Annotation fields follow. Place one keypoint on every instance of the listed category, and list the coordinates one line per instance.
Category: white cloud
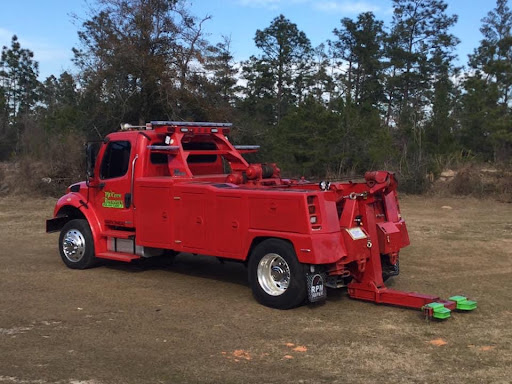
(342, 6)
(269, 4)
(346, 6)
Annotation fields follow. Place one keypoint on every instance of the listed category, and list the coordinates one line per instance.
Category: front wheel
(76, 244)
(276, 277)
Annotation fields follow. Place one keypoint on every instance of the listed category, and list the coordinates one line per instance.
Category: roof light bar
(192, 124)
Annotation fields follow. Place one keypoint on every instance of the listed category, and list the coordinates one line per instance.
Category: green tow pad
(439, 311)
(463, 304)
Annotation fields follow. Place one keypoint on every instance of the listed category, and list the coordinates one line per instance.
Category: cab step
(118, 234)
(118, 256)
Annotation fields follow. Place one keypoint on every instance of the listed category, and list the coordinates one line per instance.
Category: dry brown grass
(48, 165)
(476, 180)
(197, 322)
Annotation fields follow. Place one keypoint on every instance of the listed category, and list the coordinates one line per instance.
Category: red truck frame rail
(170, 187)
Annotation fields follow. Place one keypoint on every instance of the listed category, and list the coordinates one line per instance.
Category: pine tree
(60, 110)
(486, 115)
(419, 36)
(359, 57)
(321, 84)
(360, 48)
(420, 50)
(277, 82)
(19, 84)
(218, 82)
(286, 57)
(441, 124)
(221, 66)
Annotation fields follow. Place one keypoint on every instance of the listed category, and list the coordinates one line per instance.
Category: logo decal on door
(113, 200)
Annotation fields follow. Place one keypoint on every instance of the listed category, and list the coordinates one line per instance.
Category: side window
(116, 159)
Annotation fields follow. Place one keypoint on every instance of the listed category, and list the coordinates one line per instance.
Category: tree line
(371, 96)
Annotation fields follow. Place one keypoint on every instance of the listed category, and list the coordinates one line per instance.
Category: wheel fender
(72, 200)
(320, 249)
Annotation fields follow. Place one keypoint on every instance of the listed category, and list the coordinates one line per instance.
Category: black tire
(295, 292)
(77, 233)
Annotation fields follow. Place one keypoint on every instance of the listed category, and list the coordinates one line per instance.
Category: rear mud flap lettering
(316, 287)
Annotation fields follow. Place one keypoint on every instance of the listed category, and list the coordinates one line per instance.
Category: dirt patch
(189, 322)
(438, 342)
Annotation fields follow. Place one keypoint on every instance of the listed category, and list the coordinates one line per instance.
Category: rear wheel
(277, 278)
(76, 244)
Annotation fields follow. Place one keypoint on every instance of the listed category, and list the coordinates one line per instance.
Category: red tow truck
(170, 187)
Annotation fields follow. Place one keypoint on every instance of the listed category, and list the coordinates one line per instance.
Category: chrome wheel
(273, 274)
(73, 245)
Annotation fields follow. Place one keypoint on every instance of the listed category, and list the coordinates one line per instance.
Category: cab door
(113, 198)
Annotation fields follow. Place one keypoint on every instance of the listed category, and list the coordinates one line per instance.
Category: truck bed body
(224, 220)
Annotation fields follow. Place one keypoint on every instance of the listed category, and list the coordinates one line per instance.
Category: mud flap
(56, 224)
(317, 291)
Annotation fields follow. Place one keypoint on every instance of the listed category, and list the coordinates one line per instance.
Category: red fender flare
(75, 201)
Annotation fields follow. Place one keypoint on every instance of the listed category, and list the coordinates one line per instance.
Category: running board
(118, 256)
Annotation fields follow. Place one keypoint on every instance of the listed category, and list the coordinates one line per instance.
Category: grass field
(196, 321)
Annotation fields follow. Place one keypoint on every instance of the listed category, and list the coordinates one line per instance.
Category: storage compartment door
(190, 221)
(390, 237)
(154, 217)
(228, 236)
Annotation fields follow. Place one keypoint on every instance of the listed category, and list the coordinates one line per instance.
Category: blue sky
(48, 29)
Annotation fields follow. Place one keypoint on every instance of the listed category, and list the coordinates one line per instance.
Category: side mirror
(91, 152)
